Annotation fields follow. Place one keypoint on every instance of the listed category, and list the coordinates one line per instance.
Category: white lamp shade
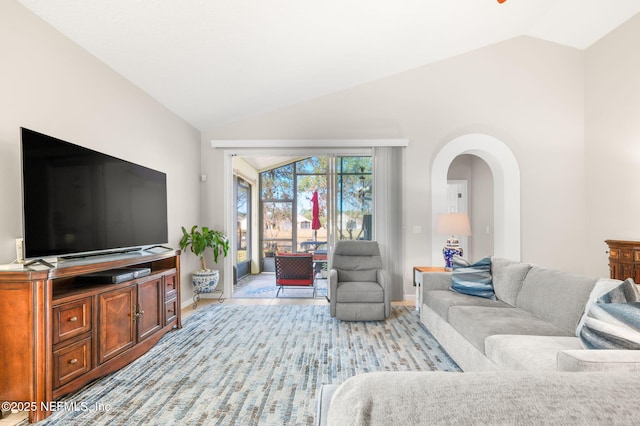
(453, 224)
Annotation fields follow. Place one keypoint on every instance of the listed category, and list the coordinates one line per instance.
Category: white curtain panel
(389, 179)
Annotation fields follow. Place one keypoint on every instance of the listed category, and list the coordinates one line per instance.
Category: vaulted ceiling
(217, 61)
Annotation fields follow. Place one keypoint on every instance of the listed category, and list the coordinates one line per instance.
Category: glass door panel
(354, 198)
(277, 232)
(311, 176)
(243, 227)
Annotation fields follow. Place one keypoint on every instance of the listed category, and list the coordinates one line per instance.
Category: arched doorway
(506, 189)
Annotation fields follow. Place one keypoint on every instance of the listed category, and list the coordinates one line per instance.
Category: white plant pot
(205, 281)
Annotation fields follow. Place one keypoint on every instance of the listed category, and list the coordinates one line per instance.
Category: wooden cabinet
(624, 259)
(116, 329)
(56, 335)
(150, 312)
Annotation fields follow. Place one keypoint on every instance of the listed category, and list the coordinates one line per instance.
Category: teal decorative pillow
(613, 321)
(472, 279)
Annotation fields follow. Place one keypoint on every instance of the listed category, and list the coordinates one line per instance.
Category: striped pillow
(472, 279)
(613, 321)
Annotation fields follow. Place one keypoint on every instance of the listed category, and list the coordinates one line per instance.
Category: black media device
(77, 201)
(113, 276)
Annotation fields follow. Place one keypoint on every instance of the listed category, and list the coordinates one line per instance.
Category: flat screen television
(77, 201)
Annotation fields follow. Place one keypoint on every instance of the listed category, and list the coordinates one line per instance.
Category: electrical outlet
(20, 250)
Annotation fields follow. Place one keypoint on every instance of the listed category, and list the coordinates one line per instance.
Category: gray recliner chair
(359, 287)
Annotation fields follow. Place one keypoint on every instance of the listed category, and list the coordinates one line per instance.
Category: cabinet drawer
(626, 254)
(71, 319)
(170, 289)
(170, 311)
(71, 361)
(636, 255)
(613, 253)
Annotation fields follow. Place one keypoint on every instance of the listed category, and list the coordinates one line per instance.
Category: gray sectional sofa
(530, 326)
(522, 360)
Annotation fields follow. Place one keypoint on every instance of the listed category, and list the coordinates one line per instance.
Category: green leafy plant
(199, 240)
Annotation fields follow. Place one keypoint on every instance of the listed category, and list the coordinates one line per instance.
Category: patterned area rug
(252, 365)
(263, 286)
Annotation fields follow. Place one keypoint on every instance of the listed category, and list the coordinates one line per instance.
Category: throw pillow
(613, 321)
(472, 279)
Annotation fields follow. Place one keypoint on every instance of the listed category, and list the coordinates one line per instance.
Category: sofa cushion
(472, 279)
(357, 275)
(555, 296)
(441, 300)
(476, 323)
(531, 353)
(356, 255)
(359, 292)
(613, 322)
(508, 276)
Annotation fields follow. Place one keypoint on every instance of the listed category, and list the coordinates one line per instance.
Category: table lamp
(454, 224)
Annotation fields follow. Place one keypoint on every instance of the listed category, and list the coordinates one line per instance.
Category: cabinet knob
(139, 314)
(73, 361)
(73, 319)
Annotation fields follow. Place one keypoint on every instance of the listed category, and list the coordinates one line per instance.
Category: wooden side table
(417, 280)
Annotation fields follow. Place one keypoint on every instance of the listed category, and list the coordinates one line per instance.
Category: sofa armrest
(436, 281)
(599, 360)
(322, 403)
(333, 289)
(385, 281)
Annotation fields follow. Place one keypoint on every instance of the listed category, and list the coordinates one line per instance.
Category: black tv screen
(79, 201)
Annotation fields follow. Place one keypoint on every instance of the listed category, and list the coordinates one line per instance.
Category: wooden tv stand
(57, 335)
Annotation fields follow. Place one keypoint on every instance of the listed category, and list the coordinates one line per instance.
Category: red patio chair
(295, 270)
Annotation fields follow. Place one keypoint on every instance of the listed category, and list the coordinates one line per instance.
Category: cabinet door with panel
(116, 329)
(150, 307)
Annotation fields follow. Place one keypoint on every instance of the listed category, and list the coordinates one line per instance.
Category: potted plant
(205, 280)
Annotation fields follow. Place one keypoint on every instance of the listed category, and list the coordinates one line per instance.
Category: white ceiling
(217, 61)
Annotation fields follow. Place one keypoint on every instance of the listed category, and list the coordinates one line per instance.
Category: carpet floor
(252, 365)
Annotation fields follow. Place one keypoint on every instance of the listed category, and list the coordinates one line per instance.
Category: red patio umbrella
(315, 222)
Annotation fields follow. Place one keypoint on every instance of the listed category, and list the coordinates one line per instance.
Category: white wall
(527, 93)
(51, 85)
(612, 115)
(482, 220)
